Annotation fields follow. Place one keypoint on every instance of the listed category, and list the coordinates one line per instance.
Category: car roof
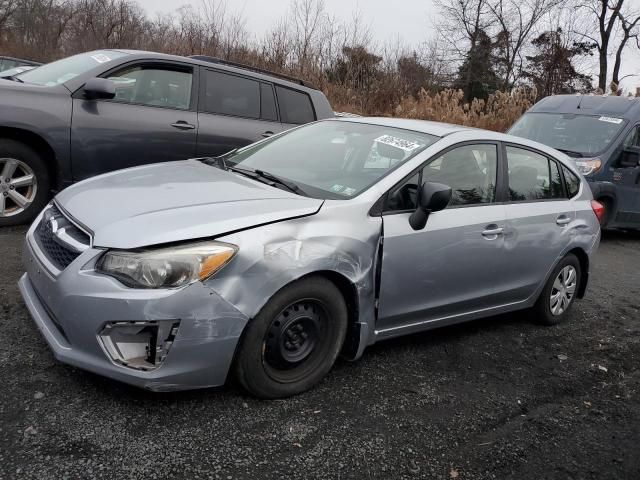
(605, 105)
(265, 75)
(463, 133)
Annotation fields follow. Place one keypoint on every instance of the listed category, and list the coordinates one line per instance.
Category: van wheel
(608, 211)
(24, 183)
(294, 341)
(559, 293)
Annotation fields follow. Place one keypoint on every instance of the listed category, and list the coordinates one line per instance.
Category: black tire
(265, 367)
(542, 310)
(608, 212)
(11, 149)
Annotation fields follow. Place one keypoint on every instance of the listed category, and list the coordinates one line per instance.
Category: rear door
(152, 119)
(456, 264)
(234, 111)
(539, 219)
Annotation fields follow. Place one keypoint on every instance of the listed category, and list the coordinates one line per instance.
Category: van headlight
(166, 267)
(587, 166)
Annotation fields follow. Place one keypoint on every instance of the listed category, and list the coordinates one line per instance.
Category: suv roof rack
(206, 58)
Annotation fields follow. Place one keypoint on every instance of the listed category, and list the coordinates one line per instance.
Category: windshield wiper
(13, 78)
(219, 161)
(261, 175)
(571, 153)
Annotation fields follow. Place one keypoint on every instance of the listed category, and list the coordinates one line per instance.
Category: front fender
(273, 256)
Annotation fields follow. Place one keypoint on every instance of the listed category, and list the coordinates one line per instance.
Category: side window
(573, 182)
(532, 176)
(469, 170)
(632, 139)
(267, 103)
(295, 107)
(156, 87)
(231, 95)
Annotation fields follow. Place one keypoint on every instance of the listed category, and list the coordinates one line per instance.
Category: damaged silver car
(270, 261)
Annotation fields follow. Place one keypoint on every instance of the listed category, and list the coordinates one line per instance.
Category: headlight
(166, 267)
(588, 166)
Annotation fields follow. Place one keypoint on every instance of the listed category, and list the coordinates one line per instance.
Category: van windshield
(577, 135)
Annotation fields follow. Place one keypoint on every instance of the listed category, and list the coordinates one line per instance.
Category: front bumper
(72, 306)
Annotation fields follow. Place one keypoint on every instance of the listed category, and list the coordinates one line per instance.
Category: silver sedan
(270, 261)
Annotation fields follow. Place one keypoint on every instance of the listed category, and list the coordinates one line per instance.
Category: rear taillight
(598, 209)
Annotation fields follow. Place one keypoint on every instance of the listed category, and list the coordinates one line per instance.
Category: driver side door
(453, 266)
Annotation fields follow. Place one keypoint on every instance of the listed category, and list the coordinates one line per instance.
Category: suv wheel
(559, 293)
(24, 183)
(294, 341)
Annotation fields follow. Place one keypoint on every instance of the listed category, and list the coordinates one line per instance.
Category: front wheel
(294, 341)
(24, 183)
(559, 293)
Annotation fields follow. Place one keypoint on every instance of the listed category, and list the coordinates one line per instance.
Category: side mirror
(99, 88)
(630, 157)
(432, 197)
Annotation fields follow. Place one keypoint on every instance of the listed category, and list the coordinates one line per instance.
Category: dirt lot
(500, 398)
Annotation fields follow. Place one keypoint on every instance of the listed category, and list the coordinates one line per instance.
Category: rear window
(572, 181)
(268, 103)
(532, 176)
(295, 106)
(231, 95)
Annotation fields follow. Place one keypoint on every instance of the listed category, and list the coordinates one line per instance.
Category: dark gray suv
(110, 109)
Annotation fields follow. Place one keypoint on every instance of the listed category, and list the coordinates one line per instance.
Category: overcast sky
(409, 20)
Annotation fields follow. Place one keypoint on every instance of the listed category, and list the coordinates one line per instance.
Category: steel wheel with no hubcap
(18, 187)
(293, 339)
(563, 289)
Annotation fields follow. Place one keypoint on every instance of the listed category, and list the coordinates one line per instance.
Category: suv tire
(24, 183)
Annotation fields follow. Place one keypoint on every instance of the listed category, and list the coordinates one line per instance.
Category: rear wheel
(559, 293)
(294, 341)
(24, 183)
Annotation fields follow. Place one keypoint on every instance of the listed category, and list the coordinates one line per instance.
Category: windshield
(333, 159)
(580, 135)
(61, 71)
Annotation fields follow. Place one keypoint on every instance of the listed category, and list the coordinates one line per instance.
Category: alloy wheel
(563, 290)
(18, 187)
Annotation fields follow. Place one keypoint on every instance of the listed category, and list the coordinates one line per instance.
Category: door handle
(563, 220)
(492, 231)
(182, 125)
(267, 134)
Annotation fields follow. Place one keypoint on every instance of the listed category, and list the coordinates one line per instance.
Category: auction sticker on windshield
(406, 145)
(617, 121)
(101, 58)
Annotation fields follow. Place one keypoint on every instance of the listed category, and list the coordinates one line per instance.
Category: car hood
(176, 201)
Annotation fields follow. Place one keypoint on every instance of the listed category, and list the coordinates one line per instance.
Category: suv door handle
(492, 231)
(563, 220)
(182, 125)
(267, 134)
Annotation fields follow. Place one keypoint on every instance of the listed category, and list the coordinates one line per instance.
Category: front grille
(59, 239)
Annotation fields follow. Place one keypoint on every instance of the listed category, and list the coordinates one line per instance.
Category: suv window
(469, 170)
(154, 86)
(572, 181)
(532, 176)
(295, 106)
(231, 95)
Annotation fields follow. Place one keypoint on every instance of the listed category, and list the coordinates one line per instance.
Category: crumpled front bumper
(72, 306)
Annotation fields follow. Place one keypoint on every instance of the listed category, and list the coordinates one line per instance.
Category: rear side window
(295, 107)
(532, 176)
(231, 95)
(268, 103)
(572, 181)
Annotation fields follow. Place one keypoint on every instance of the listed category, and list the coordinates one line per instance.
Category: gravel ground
(500, 398)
